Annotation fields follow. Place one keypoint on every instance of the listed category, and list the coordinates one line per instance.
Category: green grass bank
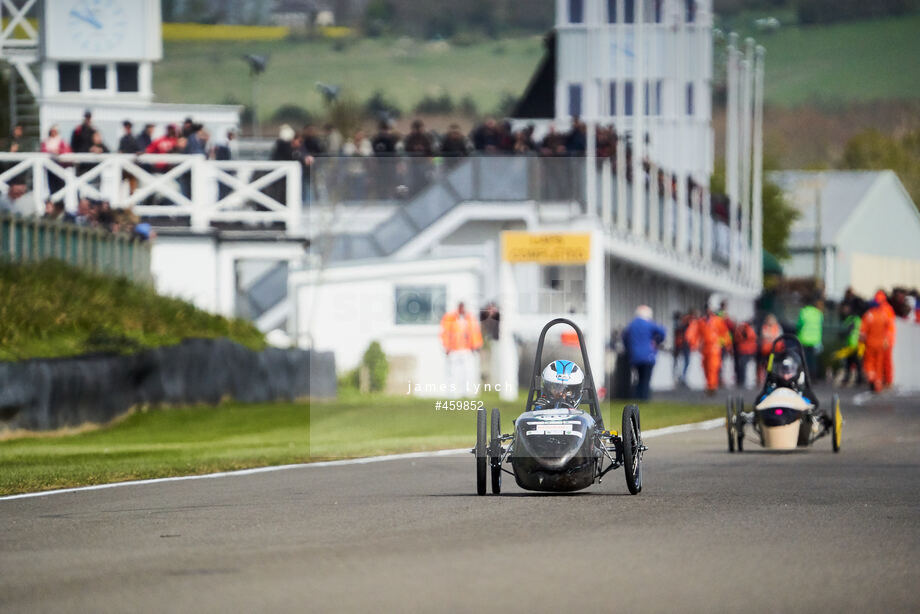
(50, 310)
(169, 442)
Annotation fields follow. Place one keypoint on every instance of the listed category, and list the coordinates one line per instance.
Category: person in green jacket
(810, 330)
(852, 366)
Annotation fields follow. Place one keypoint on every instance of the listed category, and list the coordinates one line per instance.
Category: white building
(644, 66)
(654, 241)
(856, 229)
(97, 57)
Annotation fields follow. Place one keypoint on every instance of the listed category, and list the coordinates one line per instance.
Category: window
(98, 77)
(653, 97)
(575, 100)
(68, 77)
(690, 98)
(691, 10)
(629, 11)
(613, 97)
(611, 11)
(420, 304)
(657, 11)
(628, 96)
(126, 76)
(576, 11)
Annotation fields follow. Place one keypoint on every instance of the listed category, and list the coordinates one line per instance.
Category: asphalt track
(757, 532)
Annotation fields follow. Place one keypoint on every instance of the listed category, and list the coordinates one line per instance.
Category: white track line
(668, 430)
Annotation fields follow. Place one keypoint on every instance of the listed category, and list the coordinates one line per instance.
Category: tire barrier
(48, 394)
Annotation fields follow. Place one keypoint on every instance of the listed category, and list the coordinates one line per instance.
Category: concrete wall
(202, 267)
(346, 308)
(907, 356)
(186, 267)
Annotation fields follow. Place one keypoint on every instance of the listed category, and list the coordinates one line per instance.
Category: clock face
(96, 26)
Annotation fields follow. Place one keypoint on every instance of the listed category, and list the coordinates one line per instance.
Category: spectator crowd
(865, 339)
(189, 138)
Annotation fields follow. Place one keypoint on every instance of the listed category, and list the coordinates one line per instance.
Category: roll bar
(589, 390)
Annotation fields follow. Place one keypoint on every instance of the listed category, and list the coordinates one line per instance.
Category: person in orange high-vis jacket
(710, 334)
(878, 333)
(461, 336)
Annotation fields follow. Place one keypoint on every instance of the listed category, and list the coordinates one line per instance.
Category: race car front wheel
(495, 452)
(480, 451)
(836, 425)
(632, 449)
(730, 423)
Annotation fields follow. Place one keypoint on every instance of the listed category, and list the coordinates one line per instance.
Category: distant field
(830, 65)
(405, 70)
(848, 62)
(160, 443)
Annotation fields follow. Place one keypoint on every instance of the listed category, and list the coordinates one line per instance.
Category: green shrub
(375, 361)
(378, 106)
(292, 114)
(436, 105)
(468, 106)
(506, 105)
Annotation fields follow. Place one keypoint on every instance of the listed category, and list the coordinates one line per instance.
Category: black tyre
(739, 425)
(480, 451)
(495, 449)
(836, 424)
(730, 424)
(632, 450)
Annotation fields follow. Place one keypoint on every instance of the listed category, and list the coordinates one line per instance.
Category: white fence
(163, 185)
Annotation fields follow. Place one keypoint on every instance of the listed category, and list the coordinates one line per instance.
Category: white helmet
(562, 382)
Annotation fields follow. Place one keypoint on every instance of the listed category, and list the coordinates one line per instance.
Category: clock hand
(88, 19)
(91, 13)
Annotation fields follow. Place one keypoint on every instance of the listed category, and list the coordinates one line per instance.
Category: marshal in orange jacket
(460, 332)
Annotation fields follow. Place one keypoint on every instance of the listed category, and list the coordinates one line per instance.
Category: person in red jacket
(164, 145)
(878, 333)
(745, 339)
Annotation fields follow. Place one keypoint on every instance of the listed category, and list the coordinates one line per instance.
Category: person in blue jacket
(642, 338)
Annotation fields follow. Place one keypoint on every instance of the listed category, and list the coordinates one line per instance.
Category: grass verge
(161, 443)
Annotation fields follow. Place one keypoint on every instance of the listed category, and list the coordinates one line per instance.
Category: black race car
(561, 448)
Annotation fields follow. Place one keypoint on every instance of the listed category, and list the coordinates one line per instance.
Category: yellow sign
(546, 248)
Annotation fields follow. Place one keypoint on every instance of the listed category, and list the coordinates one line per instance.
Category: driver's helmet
(562, 382)
(788, 369)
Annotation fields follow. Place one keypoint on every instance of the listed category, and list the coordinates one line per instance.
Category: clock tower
(97, 56)
(100, 49)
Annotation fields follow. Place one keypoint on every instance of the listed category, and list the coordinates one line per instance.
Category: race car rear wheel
(632, 449)
(480, 451)
(739, 425)
(836, 424)
(730, 423)
(495, 452)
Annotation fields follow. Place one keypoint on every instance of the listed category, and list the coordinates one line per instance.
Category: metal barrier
(35, 239)
(190, 187)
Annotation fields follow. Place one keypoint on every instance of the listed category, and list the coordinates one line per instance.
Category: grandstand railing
(34, 239)
(373, 205)
(190, 189)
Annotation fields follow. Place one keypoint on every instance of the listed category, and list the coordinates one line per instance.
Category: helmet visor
(561, 392)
